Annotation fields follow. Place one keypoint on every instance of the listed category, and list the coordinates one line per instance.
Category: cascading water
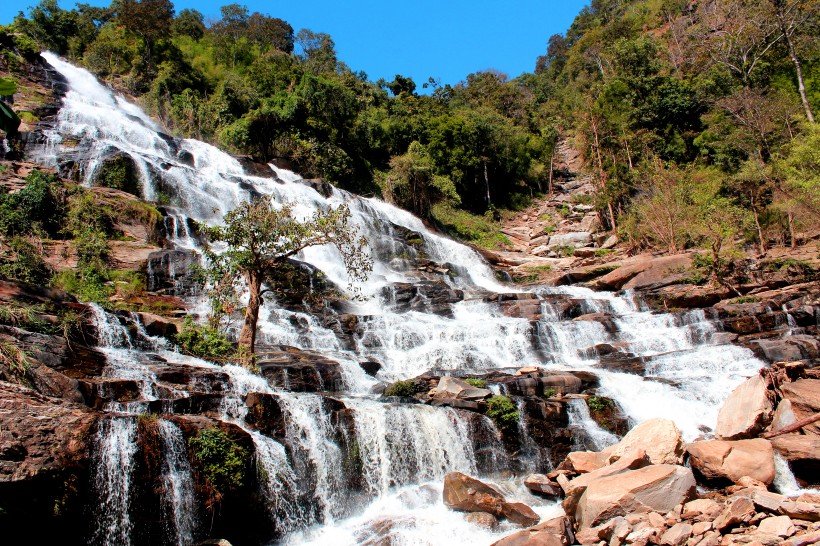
(404, 450)
(590, 436)
(178, 481)
(114, 450)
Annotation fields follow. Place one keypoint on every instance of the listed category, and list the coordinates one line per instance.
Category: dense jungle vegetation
(694, 118)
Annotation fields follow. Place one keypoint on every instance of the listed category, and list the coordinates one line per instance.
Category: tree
(260, 236)
(189, 22)
(413, 184)
(149, 19)
(270, 32)
(231, 29)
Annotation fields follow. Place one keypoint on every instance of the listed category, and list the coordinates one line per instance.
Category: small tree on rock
(260, 236)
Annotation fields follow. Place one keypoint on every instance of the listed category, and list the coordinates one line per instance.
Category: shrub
(477, 383)
(599, 404)
(563, 210)
(406, 387)
(565, 251)
(549, 393)
(502, 411)
(37, 208)
(223, 460)
(25, 262)
(203, 340)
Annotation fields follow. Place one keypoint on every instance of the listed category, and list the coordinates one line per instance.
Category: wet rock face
(427, 296)
(169, 272)
(300, 371)
(118, 171)
(43, 464)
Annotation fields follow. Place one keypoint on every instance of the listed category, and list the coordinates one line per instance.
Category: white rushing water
(178, 480)
(114, 448)
(405, 449)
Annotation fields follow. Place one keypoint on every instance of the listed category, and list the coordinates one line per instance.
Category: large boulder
(804, 398)
(660, 438)
(467, 494)
(657, 488)
(746, 412)
(451, 387)
(802, 451)
(575, 488)
(726, 460)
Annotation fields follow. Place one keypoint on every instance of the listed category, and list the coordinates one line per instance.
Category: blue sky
(446, 39)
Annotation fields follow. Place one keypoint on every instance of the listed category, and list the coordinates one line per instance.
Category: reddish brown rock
(746, 412)
(725, 460)
(659, 438)
(554, 532)
(658, 488)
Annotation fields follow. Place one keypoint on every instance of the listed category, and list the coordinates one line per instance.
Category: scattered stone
(765, 500)
(553, 532)
(737, 512)
(727, 460)
(700, 507)
(451, 387)
(520, 513)
(483, 519)
(542, 485)
(583, 462)
(467, 494)
(777, 525)
(701, 527)
(800, 510)
(746, 412)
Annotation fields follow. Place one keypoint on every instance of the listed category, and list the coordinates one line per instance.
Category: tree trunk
(487, 185)
(759, 228)
(791, 230)
(549, 184)
(801, 86)
(247, 337)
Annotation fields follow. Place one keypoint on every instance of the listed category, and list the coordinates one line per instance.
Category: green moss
(405, 388)
(599, 404)
(119, 173)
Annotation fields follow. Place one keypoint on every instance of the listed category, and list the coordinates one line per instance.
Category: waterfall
(402, 445)
(676, 368)
(178, 494)
(115, 445)
(589, 435)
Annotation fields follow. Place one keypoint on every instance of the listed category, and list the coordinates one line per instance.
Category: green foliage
(744, 299)
(16, 361)
(549, 393)
(477, 383)
(25, 262)
(118, 173)
(38, 208)
(204, 341)
(563, 210)
(404, 388)
(599, 404)
(565, 251)
(482, 231)
(603, 252)
(502, 411)
(223, 461)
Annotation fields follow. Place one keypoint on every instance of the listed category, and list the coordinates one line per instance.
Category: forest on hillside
(696, 119)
